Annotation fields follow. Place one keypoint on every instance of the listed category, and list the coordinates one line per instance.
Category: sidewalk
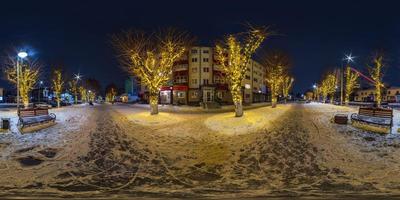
(198, 109)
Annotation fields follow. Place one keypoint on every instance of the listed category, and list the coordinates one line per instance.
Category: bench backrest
(27, 112)
(31, 112)
(376, 112)
(41, 111)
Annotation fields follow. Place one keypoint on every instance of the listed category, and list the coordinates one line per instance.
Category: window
(247, 77)
(194, 69)
(205, 51)
(194, 81)
(194, 59)
(205, 81)
(194, 94)
(181, 94)
(255, 80)
(205, 69)
(205, 59)
(194, 50)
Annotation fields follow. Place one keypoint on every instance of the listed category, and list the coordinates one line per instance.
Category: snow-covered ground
(121, 151)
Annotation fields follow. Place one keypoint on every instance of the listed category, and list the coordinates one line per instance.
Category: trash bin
(5, 123)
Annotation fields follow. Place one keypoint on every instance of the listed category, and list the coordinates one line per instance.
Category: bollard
(5, 123)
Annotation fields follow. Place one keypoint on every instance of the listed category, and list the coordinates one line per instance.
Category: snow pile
(252, 120)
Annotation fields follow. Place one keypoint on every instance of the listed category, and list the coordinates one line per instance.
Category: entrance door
(208, 96)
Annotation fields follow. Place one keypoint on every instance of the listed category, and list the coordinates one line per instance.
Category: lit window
(194, 69)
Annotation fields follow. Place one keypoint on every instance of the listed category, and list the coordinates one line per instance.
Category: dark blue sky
(316, 34)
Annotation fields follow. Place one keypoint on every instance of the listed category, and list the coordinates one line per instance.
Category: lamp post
(40, 86)
(77, 78)
(348, 58)
(21, 56)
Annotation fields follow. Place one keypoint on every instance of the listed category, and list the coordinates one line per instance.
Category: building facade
(197, 78)
(390, 95)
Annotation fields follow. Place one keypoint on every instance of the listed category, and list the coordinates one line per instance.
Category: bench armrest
(52, 115)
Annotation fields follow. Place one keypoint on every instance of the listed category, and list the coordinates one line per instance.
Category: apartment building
(197, 77)
(391, 94)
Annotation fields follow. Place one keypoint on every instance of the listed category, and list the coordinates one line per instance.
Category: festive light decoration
(58, 84)
(377, 75)
(286, 86)
(233, 55)
(73, 86)
(151, 57)
(277, 65)
(29, 72)
(351, 80)
(328, 87)
(110, 96)
(83, 93)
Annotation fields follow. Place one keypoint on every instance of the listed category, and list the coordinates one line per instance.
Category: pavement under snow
(117, 151)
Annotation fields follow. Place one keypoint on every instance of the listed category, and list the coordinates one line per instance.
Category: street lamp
(348, 58)
(21, 55)
(40, 86)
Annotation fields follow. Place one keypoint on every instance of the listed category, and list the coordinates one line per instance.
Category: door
(208, 96)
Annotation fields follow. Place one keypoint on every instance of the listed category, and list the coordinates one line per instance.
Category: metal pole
(341, 85)
(18, 86)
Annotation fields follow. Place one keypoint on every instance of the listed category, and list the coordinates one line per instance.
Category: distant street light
(78, 77)
(21, 56)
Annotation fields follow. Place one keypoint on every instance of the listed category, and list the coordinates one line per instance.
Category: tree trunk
(153, 99)
(331, 100)
(238, 109)
(274, 101)
(58, 102)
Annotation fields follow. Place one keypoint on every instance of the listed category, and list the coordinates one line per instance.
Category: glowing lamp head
(314, 86)
(40, 82)
(349, 58)
(22, 54)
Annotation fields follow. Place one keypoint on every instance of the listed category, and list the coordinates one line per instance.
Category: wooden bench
(34, 117)
(379, 119)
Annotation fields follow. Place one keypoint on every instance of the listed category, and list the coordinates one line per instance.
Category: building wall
(205, 81)
(390, 94)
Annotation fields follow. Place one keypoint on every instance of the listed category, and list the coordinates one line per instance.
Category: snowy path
(295, 151)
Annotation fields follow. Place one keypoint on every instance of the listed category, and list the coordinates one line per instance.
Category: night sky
(316, 34)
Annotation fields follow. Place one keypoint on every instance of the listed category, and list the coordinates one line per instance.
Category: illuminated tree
(276, 64)
(377, 75)
(58, 84)
(233, 55)
(286, 86)
(351, 81)
(328, 87)
(29, 71)
(151, 57)
(111, 93)
(73, 85)
(83, 93)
